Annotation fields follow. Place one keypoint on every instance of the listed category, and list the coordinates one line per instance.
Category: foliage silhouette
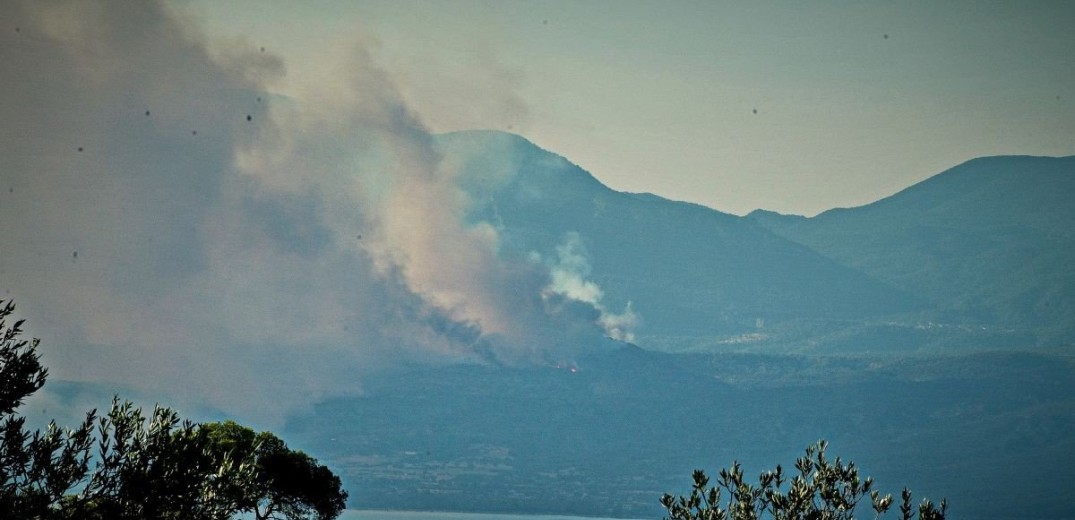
(822, 490)
(288, 484)
(155, 467)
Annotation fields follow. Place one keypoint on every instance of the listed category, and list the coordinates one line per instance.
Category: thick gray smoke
(168, 224)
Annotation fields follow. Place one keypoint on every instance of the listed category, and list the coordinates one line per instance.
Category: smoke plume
(570, 275)
(169, 224)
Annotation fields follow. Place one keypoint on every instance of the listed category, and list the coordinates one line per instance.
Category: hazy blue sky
(854, 101)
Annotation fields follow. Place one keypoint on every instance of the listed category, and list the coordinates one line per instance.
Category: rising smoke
(167, 224)
(570, 277)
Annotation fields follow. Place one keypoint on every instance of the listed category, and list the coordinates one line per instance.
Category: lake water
(427, 515)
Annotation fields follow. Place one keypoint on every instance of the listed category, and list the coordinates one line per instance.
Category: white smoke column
(569, 278)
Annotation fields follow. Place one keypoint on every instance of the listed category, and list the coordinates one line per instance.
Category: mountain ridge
(771, 342)
(705, 272)
(951, 250)
(977, 240)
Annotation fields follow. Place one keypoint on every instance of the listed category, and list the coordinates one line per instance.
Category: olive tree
(821, 490)
(36, 468)
(156, 467)
(289, 484)
(126, 465)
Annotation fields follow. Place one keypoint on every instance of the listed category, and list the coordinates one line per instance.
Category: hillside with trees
(976, 257)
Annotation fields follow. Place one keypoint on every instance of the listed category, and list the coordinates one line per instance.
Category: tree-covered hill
(990, 242)
(687, 269)
(976, 257)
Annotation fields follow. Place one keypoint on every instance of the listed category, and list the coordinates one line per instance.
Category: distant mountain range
(927, 336)
(989, 243)
(979, 256)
